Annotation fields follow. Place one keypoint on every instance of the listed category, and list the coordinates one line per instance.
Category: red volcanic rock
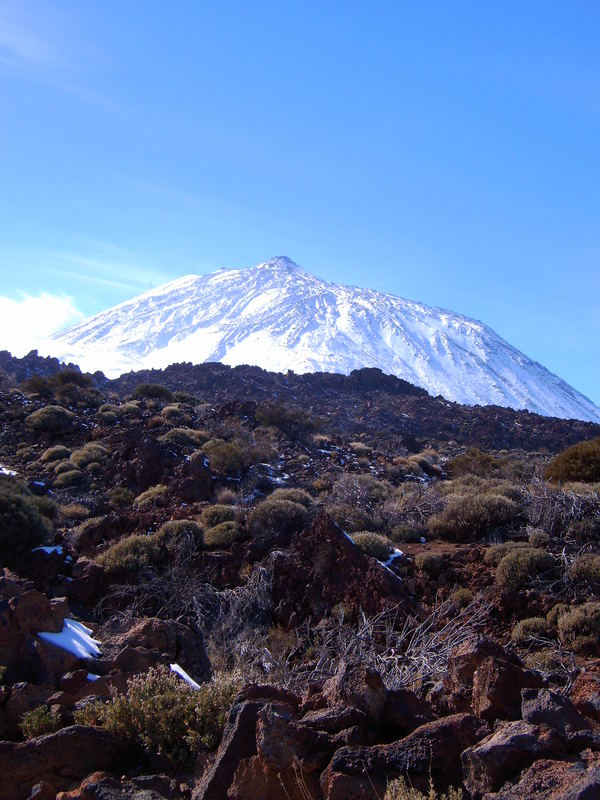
(323, 567)
(357, 686)
(193, 479)
(24, 697)
(555, 780)
(404, 711)
(61, 759)
(434, 749)
(585, 694)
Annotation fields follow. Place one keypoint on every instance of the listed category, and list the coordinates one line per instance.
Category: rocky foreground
(229, 584)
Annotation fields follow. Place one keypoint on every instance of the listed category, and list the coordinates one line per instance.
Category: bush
(520, 566)
(474, 462)
(494, 554)
(214, 515)
(173, 534)
(155, 495)
(373, 544)
(581, 462)
(92, 451)
(555, 612)
(184, 437)
(154, 391)
(295, 423)
(470, 516)
(70, 477)
(223, 535)
(39, 721)
(430, 563)
(579, 628)
(62, 466)
(277, 516)
(105, 417)
(50, 419)
(130, 554)
(295, 495)
(538, 538)
(120, 497)
(406, 534)
(164, 716)
(56, 453)
(22, 525)
(585, 569)
(462, 597)
(226, 497)
(528, 629)
(225, 457)
(400, 790)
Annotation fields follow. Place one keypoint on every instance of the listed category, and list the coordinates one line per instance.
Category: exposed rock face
(58, 758)
(555, 780)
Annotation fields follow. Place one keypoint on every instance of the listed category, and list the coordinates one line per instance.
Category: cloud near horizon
(26, 321)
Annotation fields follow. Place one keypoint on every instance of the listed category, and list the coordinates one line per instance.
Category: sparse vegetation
(581, 462)
(39, 721)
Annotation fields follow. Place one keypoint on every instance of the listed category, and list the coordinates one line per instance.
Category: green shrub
(431, 563)
(585, 569)
(46, 506)
(584, 530)
(373, 544)
(92, 451)
(538, 538)
(555, 612)
(50, 419)
(71, 477)
(164, 716)
(295, 495)
(579, 628)
(528, 629)
(214, 515)
(120, 497)
(520, 566)
(154, 391)
(130, 554)
(39, 721)
(225, 457)
(155, 495)
(184, 437)
(22, 525)
(295, 423)
(223, 535)
(105, 417)
(277, 516)
(462, 597)
(401, 790)
(496, 552)
(62, 466)
(474, 462)
(172, 534)
(56, 453)
(406, 534)
(581, 462)
(471, 516)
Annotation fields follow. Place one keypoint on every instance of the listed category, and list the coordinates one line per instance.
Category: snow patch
(75, 637)
(183, 674)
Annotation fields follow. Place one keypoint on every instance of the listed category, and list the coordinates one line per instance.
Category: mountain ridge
(280, 317)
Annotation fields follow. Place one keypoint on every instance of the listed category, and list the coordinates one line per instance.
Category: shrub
(90, 452)
(226, 497)
(105, 417)
(171, 412)
(56, 453)
(222, 535)
(155, 495)
(400, 790)
(172, 534)
(295, 423)
(154, 391)
(520, 566)
(555, 612)
(164, 716)
(62, 466)
(277, 516)
(214, 515)
(461, 597)
(130, 554)
(581, 462)
(184, 437)
(585, 569)
(408, 534)
(494, 554)
(538, 538)
(120, 497)
(295, 495)
(466, 517)
(373, 544)
(39, 721)
(74, 511)
(474, 462)
(69, 477)
(22, 525)
(50, 419)
(431, 563)
(584, 530)
(528, 629)
(579, 628)
(46, 506)
(225, 457)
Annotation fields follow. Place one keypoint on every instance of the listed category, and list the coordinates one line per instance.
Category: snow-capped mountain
(279, 317)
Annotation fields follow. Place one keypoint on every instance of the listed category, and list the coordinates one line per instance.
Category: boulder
(433, 749)
(585, 694)
(357, 686)
(555, 780)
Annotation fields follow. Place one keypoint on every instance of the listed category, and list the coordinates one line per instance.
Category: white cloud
(24, 322)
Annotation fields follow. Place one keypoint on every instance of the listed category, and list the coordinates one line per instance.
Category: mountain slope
(279, 317)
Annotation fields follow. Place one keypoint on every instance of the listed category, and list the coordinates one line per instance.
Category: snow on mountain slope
(279, 317)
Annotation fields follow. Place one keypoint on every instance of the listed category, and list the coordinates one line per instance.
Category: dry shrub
(70, 477)
(373, 544)
(74, 511)
(470, 516)
(50, 419)
(154, 496)
(430, 563)
(130, 554)
(581, 462)
(214, 515)
(400, 790)
(294, 495)
(223, 535)
(579, 628)
(496, 552)
(184, 437)
(527, 630)
(227, 497)
(56, 453)
(90, 452)
(226, 457)
(120, 497)
(522, 565)
(277, 516)
(153, 391)
(175, 533)
(585, 569)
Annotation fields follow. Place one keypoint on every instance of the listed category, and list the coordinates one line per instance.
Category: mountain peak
(281, 263)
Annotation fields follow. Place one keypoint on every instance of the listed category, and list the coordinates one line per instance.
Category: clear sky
(444, 152)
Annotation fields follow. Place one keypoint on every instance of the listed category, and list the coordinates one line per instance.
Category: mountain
(279, 317)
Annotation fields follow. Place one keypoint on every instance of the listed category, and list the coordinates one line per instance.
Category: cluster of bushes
(295, 423)
(69, 386)
(163, 716)
(184, 437)
(25, 519)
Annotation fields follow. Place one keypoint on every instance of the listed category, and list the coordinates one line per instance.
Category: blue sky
(444, 152)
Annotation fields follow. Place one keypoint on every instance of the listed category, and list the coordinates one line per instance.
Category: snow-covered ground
(75, 637)
(279, 317)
